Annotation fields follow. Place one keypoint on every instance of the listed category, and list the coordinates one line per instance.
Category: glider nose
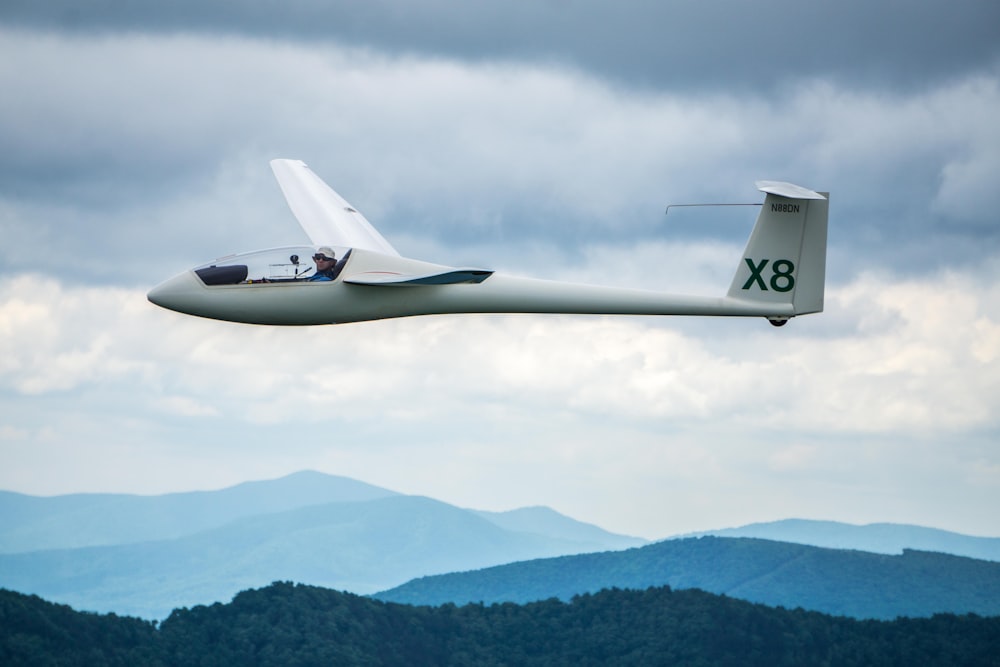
(178, 293)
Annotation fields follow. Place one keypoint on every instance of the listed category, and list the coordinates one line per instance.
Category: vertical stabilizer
(785, 258)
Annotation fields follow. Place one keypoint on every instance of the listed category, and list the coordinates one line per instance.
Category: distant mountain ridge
(886, 538)
(29, 523)
(368, 540)
(546, 521)
(840, 582)
(146, 555)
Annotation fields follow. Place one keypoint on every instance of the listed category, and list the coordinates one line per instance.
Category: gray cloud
(113, 143)
(688, 44)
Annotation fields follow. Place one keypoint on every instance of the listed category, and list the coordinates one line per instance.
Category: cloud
(912, 357)
(158, 161)
(58, 344)
(681, 45)
(923, 360)
(967, 194)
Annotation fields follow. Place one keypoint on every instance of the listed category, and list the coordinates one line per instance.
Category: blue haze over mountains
(883, 538)
(94, 519)
(146, 555)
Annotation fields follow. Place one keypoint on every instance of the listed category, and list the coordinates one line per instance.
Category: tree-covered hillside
(286, 624)
(833, 581)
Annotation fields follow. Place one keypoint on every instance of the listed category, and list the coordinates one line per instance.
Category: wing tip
(286, 163)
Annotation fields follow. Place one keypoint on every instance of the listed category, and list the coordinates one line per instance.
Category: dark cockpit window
(223, 275)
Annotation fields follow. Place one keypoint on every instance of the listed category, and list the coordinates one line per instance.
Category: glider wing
(324, 215)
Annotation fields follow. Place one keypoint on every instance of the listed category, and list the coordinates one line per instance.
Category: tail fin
(785, 258)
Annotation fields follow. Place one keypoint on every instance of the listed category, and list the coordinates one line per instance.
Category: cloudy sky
(540, 137)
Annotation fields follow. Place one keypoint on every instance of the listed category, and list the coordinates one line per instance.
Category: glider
(780, 275)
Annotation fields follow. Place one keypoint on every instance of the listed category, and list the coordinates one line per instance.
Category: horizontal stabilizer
(450, 277)
(789, 190)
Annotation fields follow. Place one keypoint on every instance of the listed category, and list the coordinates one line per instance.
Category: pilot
(326, 261)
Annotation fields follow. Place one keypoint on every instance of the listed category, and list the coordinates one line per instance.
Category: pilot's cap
(324, 253)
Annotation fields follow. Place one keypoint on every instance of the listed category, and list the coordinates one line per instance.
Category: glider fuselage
(300, 302)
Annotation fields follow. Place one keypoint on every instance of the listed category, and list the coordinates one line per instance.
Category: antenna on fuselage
(667, 212)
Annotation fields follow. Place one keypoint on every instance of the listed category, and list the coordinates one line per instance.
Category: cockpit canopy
(274, 265)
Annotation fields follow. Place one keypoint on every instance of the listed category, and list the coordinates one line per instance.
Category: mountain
(285, 624)
(29, 523)
(357, 545)
(886, 538)
(850, 583)
(146, 555)
(546, 521)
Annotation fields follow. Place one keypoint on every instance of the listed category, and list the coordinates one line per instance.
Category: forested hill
(834, 581)
(285, 624)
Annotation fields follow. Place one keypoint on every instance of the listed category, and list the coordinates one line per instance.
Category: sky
(541, 138)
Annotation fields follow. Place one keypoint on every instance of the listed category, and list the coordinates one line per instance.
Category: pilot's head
(324, 258)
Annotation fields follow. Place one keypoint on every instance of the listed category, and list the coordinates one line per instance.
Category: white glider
(780, 275)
